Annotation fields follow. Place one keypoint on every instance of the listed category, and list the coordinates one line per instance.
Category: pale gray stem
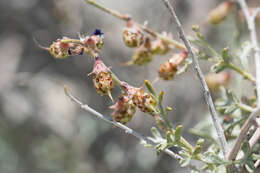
(200, 75)
(250, 19)
(242, 135)
(109, 120)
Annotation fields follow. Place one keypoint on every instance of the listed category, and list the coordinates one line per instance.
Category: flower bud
(215, 80)
(102, 78)
(144, 101)
(124, 109)
(168, 70)
(220, 13)
(143, 54)
(132, 35)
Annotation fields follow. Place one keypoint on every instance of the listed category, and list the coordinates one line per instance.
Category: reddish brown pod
(102, 78)
(168, 70)
(59, 49)
(160, 46)
(132, 34)
(143, 100)
(143, 54)
(124, 109)
(215, 80)
(219, 14)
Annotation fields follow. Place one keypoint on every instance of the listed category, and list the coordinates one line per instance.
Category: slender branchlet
(109, 120)
(250, 19)
(207, 95)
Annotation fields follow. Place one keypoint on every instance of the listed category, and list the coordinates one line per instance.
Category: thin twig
(117, 124)
(207, 95)
(242, 135)
(125, 17)
(250, 19)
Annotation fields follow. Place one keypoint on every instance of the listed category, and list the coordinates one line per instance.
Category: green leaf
(150, 88)
(161, 146)
(178, 132)
(246, 149)
(250, 166)
(160, 97)
(230, 109)
(255, 156)
(184, 153)
(225, 55)
(169, 137)
(184, 67)
(198, 147)
(219, 67)
(156, 133)
(145, 144)
(185, 162)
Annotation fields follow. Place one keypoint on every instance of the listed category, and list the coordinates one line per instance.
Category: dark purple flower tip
(98, 32)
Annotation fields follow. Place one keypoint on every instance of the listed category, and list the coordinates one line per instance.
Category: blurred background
(42, 131)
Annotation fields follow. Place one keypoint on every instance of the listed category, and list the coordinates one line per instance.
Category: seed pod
(168, 70)
(124, 109)
(220, 13)
(76, 49)
(160, 46)
(215, 80)
(102, 78)
(93, 43)
(59, 49)
(144, 101)
(132, 35)
(143, 54)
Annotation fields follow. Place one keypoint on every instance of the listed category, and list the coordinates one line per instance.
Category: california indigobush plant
(234, 118)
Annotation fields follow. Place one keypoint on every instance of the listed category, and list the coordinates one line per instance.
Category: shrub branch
(207, 95)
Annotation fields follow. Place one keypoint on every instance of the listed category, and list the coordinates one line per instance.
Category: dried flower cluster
(133, 36)
(62, 48)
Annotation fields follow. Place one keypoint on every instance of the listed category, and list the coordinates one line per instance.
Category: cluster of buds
(124, 109)
(168, 70)
(215, 80)
(133, 37)
(62, 48)
(220, 13)
(102, 78)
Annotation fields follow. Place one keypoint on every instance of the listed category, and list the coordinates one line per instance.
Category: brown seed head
(102, 78)
(124, 109)
(168, 70)
(132, 35)
(220, 13)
